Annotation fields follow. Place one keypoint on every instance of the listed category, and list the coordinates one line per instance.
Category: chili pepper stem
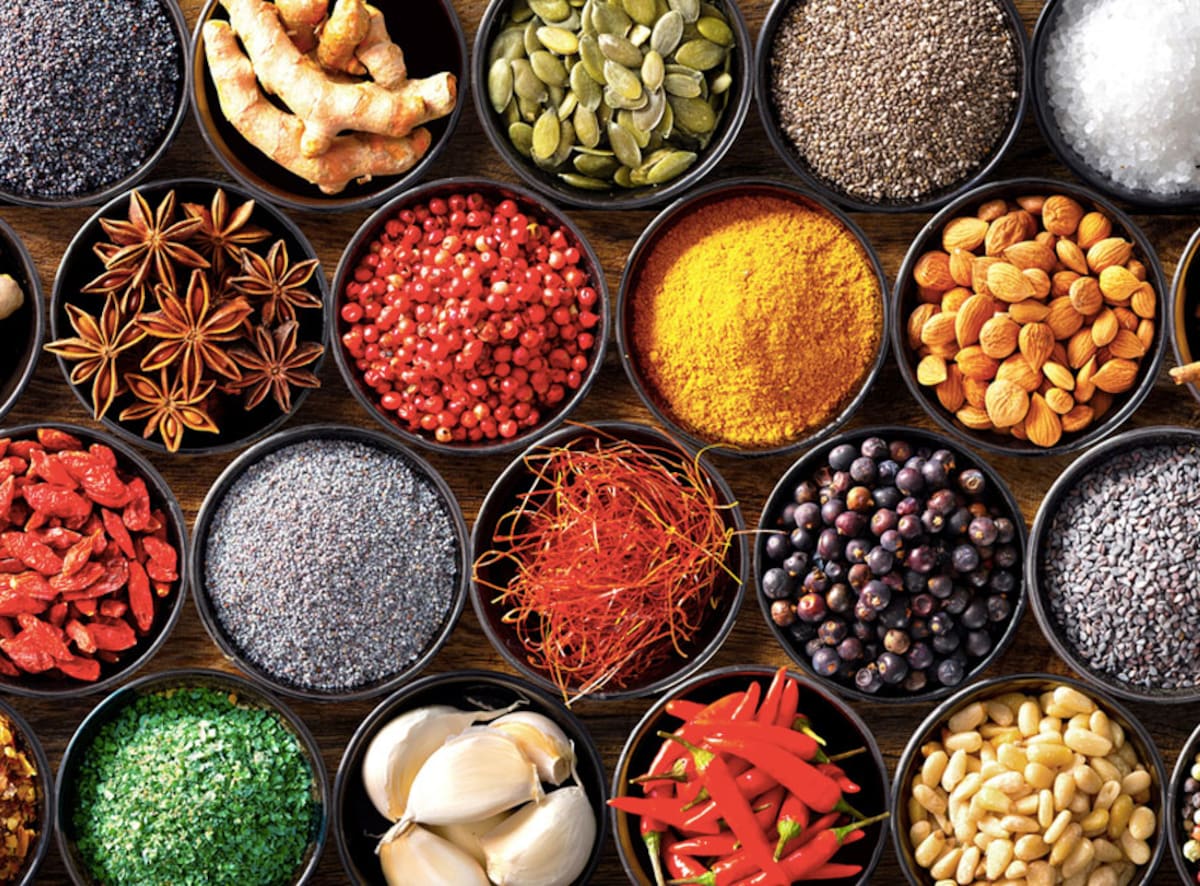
(800, 724)
(843, 806)
(844, 755)
(845, 830)
(653, 841)
(788, 831)
(701, 756)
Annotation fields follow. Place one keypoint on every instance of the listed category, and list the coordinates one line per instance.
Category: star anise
(222, 235)
(275, 366)
(276, 284)
(152, 240)
(171, 407)
(192, 330)
(117, 281)
(94, 349)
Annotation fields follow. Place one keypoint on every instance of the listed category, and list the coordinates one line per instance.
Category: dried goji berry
(56, 537)
(15, 465)
(13, 603)
(111, 608)
(79, 635)
(116, 574)
(115, 636)
(8, 491)
(78, 556)
(117, 532)
(10, 565)
(163, 561)
(4, 442)
(136, 515)
(108, 657)
(140, 599)
(55, 439)
(58, 613)
(84, 607)
(87, 669)
(31, 552)
(22, 449)
(8, 629)
(32, 584)
(103, 454)
(57, 502)
(51, 470)
(81, 581)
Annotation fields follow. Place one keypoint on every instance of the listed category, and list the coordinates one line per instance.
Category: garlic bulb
(472, 776)
(466, 835)
(542, 741)
(417, 856)
(542, 844)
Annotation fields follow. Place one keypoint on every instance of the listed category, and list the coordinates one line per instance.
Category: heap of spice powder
(19, 801)
(194, 786)
(755, 320)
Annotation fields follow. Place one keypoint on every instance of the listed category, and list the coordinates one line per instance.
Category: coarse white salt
(1123, 82)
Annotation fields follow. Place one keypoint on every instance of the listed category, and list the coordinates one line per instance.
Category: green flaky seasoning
(189, 787)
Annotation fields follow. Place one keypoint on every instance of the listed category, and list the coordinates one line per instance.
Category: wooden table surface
(47, 232)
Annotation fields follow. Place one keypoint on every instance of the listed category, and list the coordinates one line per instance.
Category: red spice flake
(19, 799)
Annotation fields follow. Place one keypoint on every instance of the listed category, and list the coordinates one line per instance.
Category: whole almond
(1010, 228)
(1029, 311)
(1143, 301)
(1077, 419)
(1017, 370)
(1063, 320)
(917, 320)
(938, 329)
(1109, 252)
(1006, 403)
(1042, 426)
(1033, 203)
(1030, 254)
(992, 210)
(1061, 215)
(975, 418)
(998, 337)
(1061, 282)
(1118, 284)
(950, 392)
(930, 295)
(979, 272)
(1084, 388)
(964, 233)
(1017, 431)
(1086, 296)
(1127, 345)
(961, 263)
(954, 299)
(1136, 268)
(1006, 282)
(1093, 228)
(932, 271)
(1080, 348)
(1036, 341)
(970, 317)
(1040, 280)
(1059, 400)
(931, 371)
(1126, 318)
(1101, 403)
(1059, 375)
(1104, 328)
(975, 364)
(1071, 255)
(1116, 376)
(1145, 333)
(975, 390)
(1045, 238)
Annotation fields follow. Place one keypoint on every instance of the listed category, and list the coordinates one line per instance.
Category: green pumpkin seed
(639, 34)
(546, 134)
(567, 106)
(721, 83)
(667, 33)
(548, 68)
(623, 178)
(637, 178)
(700, 54)
(509, 44)
(608, 18)
(652, 70)
(529, 111)
(511, 113)
(624, 145)
(641, 11)
(521, 11)
(526, 83)
(585, 87)
(670, 166)
(587, 127)
(620, 50)
(622, 80)
(689, 9)
(667, 124)
(596, 166)
(625, 121)
(560, 41)
(592, 58)
(604, 115)
(615, 101)
(566, 141)
(521, 136)
(647, 118)
(585, 182)
(571, 22)
(585, 18)
(716, 30)
(500, 85)
(707, 10)
(557, 96)
(550, 10)
(531, 41)
(656, 141)
(693, 114)
(682, 85)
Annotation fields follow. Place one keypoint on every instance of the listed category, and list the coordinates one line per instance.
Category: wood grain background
(47, 233)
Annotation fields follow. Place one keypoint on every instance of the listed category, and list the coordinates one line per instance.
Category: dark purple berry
(811, 608)
(783, 613)
(825, 661)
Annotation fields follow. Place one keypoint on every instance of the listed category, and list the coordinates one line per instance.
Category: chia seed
(332, 564)
(894, 101)
(88, 94)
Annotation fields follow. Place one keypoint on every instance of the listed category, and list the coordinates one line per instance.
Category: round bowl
(356, 823)
(1046, 24)
(234, 472)
(431, 36)
(166, 681)
(617, 198)
(502, 497)
(771, 520)
(833, 719)
(644, 247)
(800, 168)
(1185, 305)
(167, 608)
(1039, 546)
(497, 191)
(179, 30)
(931, 730)
(26, 327)
(1175, 796)
(905, 298)
(80, 265)
(26, 740)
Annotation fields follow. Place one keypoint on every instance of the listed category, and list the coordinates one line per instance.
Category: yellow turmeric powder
(756, 319)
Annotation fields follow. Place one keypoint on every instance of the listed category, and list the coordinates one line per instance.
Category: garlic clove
(416, 855)
(542, 844)
(466, 835)
(543, 742)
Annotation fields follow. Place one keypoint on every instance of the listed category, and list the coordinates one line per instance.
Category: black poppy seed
(331, 564)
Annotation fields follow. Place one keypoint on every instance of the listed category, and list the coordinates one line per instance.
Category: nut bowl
(25, 326)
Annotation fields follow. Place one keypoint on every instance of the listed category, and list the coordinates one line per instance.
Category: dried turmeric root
(278, 134)
(301, 18)
(327, 107)
(382, 58)
(345, 28)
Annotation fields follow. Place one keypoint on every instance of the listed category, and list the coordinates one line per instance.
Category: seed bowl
(352, 367)
(55, 683)
(935, 727)
(500, 503)
(1117, 620)
(26, 327)
(831, 718)
(247, 695)
(431, 36)
(1185, 309)
(906, 298)
(357, 825)
(1176, 810)
(25, 740)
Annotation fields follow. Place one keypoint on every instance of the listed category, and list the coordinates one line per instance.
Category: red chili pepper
(665, 810)
(788, 704)
(818, 791)
(770, 706)
(786, 739)
(830, 871)
(708, 846)
(828, 820)
(719, 709)
(681, 866)
(839, 775)
(803, 863)
(652, 831)
(793, 819)
(766, 807)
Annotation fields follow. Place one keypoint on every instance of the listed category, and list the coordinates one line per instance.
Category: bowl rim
(1171, 808)
(728, 189)
(1097, 456)
(286, 228)
(1180, 345)
(292, 437)
(389, 708)
(620, 430)
(751, 671)
(422, 193)
(144, 168)
(193, 677)
(1047, 22)
(802, 467)
(1148, 370)
(35, 293)
(994, 685)
(762, 93)
(47, 814)
(733, 118)
(198, 80)
(157, 486)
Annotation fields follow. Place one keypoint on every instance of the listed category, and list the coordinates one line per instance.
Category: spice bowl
(17, 735)
(534, 354)
(1180, 810)
(258, 738)
(668, 319)
(511, 506)
(25, 327)
(358, 825)
(974, 708)
(836, 722)
(431, 38)
(1097, 338)
(1185, 317)
(283, 285)
(345, 610)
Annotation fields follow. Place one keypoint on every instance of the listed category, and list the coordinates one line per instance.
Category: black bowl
(618, 198)
(184, 678)
(931, 730)
(1188, 871)
(1046, 24)
(1039, 546)
(356, 823)
(904, 298)
(502, 497)
(80, 265)
(803, 469)
(832, 719)
(529, 202)
(27, 327)
(431, 36)
(168, 609)
(28, 742)
(715, 192)
(1185, 303)
(779, 141)
(234, 472)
